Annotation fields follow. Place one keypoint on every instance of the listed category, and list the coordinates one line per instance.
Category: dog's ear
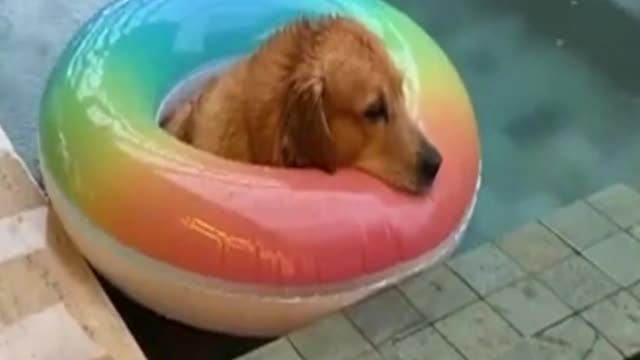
(306, 136)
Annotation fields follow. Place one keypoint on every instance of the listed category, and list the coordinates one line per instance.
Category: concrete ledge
(45, 286)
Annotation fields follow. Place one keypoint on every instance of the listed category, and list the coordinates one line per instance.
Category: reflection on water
(556, 87)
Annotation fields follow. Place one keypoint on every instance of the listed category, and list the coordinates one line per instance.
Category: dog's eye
(377, 111)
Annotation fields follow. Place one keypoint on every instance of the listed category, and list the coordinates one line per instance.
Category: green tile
(534, 247)
(530, 349)
(437, 292)
(577, 282)
(426, 343)
(618, 319)
(602, 350)
(580, 225)
(635, 290)
(618, 256)
(620, 203)
(478, 332)
(368, 355)
(575, 339)
(332, 338)
(383, 315)
(529, 306)
(635, 232)
(280, 349)
(486, 269)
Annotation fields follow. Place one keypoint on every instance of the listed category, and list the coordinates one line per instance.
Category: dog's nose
(429, 162)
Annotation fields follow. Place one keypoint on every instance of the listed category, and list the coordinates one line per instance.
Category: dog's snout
(429, 162)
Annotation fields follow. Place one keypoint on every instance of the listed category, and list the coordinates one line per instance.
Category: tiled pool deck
(564, 287)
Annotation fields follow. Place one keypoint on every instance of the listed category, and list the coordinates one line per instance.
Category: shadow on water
(597, 31)
(162, 339)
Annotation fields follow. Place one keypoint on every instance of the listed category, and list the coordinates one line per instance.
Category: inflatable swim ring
(226, 246)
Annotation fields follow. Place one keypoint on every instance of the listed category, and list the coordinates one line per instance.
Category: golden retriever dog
(320, 93)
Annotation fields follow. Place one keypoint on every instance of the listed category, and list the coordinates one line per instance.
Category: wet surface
(555, 83)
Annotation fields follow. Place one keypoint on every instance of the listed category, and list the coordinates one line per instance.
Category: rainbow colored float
(226, 246)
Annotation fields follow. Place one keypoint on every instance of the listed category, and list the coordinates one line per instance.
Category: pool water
(556, 88)
(555, 84)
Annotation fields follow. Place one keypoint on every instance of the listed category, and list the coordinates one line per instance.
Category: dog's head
(345, 106)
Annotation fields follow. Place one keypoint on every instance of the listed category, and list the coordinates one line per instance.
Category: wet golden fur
(319, 93)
